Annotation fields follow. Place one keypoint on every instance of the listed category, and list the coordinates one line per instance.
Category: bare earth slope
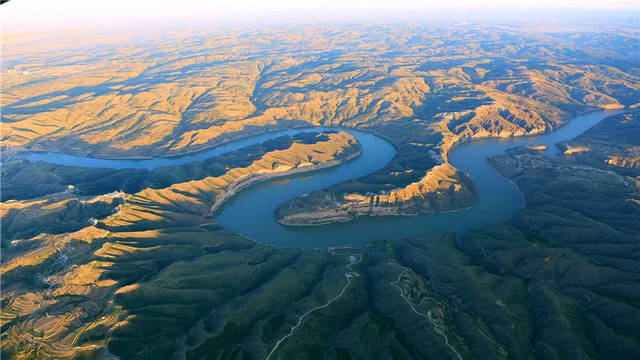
(62, 270)
(615, 141)
(442, 189)
(422, 87)
(103, 263)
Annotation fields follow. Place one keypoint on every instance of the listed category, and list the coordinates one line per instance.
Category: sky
(38, 15)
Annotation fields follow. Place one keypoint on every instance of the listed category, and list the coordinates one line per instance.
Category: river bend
(250, 212)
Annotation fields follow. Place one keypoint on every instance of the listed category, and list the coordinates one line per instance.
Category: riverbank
(434, 193)
(499, 199)
(255, 178)
(442, 189)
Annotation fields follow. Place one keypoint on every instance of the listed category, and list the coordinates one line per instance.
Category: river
(250, 212)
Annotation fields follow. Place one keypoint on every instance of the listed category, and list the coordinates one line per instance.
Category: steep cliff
(443, 188)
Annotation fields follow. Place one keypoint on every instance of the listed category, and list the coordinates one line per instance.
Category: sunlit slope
(26, 180)
(185, 203)
(159, 279)
(576, 247)
(443, 189)
(58, 213)
(558, 281)
(615, 141)
(70, 260)
(424, 88)
(158, 100)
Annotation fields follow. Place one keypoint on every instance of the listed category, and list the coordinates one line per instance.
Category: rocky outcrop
(614, 143)
(443, 188)
(286, 170)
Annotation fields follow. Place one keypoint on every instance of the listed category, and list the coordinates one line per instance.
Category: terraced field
(130, 263)
(424, 88)
(64, 292)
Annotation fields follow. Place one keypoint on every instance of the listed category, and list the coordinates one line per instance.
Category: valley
(322, 191)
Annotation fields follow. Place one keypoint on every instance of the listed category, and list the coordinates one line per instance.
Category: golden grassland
(443, 188)
(135, 104)
(149, 274)
(59, 289)
(422, 88)
(614, 142)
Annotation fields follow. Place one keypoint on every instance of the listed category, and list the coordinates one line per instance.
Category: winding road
(349, 274)
(413, 306)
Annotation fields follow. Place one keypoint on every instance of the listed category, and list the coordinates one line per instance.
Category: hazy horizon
(339, 180)
(38, 16)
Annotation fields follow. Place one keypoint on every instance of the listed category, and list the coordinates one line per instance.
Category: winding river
(251, 211)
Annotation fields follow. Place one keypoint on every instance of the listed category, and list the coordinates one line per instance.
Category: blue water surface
(250, 212)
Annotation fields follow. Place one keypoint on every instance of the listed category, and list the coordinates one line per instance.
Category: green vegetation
(147, 273)
(424, 88)
(443, 188)
(148, 266)
(614, 142)
(25, 180)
